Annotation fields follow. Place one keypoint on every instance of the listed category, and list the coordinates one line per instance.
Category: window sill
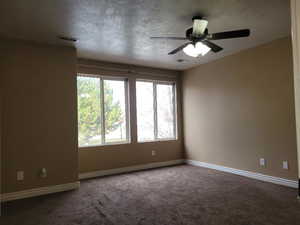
(158, 140)
(103, 145)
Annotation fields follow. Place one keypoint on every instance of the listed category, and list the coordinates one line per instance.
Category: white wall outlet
(285, 165)
(262, 162)
(43, 173)
(20, 175)
(153, 152)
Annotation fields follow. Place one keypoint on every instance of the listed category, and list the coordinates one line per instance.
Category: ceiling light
(202, 48)
(190, 50)
(196, 50)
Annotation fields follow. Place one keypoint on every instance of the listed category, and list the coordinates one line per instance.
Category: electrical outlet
(20, 175)
(153, 152)
(43, 173)
(262, 162)
(285, 165)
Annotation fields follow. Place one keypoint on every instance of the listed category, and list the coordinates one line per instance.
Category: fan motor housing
(189, 35)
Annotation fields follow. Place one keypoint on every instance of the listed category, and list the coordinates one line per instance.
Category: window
(156, 113)
(102, 110)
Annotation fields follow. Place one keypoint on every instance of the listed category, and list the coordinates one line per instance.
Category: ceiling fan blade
(229, 34)
(178, 49)
(170, 38)
(215, 48)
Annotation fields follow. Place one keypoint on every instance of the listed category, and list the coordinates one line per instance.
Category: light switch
(153, 152)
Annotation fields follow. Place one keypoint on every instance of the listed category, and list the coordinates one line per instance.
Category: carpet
(179, 195)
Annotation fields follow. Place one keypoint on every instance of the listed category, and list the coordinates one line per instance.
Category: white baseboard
(258, 176)
(101, 173)
(70, 186)
(39, 191)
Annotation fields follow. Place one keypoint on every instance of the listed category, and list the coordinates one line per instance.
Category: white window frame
(174, 101)
(102, 125)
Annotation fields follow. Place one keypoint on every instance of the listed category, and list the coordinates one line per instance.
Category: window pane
(89, 114)
(115, 111)
(165, 111)
(145, 113)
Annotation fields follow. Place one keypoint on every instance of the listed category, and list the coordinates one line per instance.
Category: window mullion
(155, 110)
(102, 111)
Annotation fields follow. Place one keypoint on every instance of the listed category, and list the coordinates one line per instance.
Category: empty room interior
(156, 112)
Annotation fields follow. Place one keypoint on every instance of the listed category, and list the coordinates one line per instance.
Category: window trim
(174, 101)
(102, 78)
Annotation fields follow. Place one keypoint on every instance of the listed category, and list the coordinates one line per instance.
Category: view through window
(102, 111)
(156, 116)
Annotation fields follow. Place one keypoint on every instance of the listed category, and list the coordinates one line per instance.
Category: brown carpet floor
(180, 195)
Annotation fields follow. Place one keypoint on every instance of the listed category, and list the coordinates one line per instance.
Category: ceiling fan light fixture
(196, 50)
(199, 39)
(202, 49)
(190, 50)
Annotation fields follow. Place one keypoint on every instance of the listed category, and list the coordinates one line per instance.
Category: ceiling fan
(200, 40)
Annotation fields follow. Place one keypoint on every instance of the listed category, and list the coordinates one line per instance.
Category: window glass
(145, 111)
(115, 111)
(99, 123)
(89, 113)
(156, 117)
(165, 111)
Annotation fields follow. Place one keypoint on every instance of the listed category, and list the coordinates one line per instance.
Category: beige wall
(295, 9)
(116, 156)
(1, 114)
(240, 108)
(39, 114)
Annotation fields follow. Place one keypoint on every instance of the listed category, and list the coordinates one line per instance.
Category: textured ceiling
(119, 30)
